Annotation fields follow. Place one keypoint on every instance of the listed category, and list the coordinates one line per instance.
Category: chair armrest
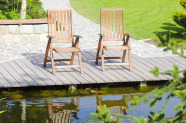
(128, 35)
(50, 36)
(77, 36)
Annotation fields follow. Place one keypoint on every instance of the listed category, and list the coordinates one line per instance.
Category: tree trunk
(23, 9)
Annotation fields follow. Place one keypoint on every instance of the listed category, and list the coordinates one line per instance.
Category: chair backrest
(60, 25)
(112, 24)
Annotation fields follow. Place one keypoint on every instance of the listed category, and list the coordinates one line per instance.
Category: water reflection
(60, 106)
(115, 106)
(64, 113)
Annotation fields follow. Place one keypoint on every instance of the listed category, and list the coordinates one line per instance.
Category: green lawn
(142, 17)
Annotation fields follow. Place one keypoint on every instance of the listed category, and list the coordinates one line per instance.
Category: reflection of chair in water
(115, 106)
(66, 112)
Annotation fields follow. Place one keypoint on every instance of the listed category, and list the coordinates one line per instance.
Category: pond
(62, 105)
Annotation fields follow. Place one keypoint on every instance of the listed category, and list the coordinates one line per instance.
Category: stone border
(21, 31)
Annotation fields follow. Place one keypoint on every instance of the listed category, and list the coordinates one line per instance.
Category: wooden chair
(60, 31)
(112, 29)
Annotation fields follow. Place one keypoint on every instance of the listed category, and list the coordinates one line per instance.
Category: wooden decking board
(87, 69)
(4, 82)
(65, 72)
(134, 69)
(26, 77)
(86, 73)
(174, 61)
(31, 73)
(122, 73)
(9, 77)
(142, 66)
(57, 74)
(171, 62)
(117, 73)
(106, 73)
(156, 64)
(38, 72)
(126, 71)
(77, 74)
(91, 64)
(15, 75)
(160, 65)
(147, 65)
(39, 64)
(179, 59)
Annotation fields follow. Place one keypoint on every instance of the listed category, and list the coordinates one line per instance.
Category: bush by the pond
(10, 9)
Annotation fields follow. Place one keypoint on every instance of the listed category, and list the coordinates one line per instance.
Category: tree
(23, 10)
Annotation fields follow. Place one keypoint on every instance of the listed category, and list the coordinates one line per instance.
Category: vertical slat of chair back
(60, 25)
(112, 24)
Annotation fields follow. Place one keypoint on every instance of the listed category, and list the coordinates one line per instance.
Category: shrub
(2, 16)
(183, 3)
(10, 9)
(180, 17)
(35, 10)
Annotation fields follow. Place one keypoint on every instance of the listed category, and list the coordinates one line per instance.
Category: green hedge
(10, 9)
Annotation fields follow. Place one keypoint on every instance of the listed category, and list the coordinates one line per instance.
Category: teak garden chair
(112, 29)
(60, 31)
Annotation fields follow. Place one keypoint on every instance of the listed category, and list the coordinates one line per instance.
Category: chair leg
(52, 58)
(80, 61)
(124, 54)
(72, 58)
(97, 56)
(46, 54)
(130, 61)
(102, 59)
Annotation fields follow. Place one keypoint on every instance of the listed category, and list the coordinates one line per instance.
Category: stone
(1, 40)
(38, 29)
(7, 39)
(3, 30)
(17, 38)
(45, 28)
(26, 29)
(43, 37)
(34, 38)
(25, 39)
(13, 29)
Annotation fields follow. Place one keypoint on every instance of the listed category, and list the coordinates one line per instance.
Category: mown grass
(142, 17)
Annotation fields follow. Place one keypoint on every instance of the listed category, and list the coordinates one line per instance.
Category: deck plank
(21, 72)
(48, 68)
(69, 74)
(147, 65)
(92, 67)
(116, 73)
(38, 72)
(29, 71)
(4, 82)
(38, 62)
(9, 77)
(86, 76)
(134, 68)
(15, 74)
(140, 68)
(90, 58)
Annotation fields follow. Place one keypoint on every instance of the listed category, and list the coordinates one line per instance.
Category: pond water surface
(64, 105)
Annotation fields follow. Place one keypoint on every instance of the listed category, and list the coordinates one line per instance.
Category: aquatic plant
(104, 115)
(175, 87)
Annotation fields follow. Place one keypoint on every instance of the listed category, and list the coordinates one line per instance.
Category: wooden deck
(29, 71)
